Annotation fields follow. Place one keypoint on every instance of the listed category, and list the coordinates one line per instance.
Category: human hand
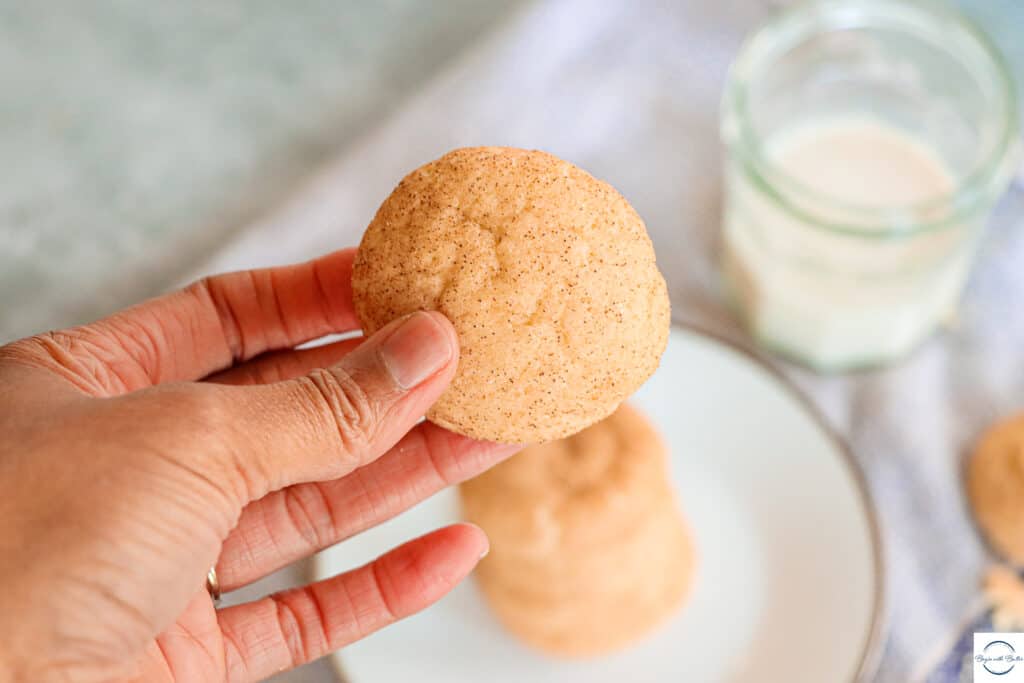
(139, 450)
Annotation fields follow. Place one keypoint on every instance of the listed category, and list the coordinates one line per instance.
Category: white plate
(788, 587)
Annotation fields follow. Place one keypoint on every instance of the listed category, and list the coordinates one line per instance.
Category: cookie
(1003, 590)
(598, 616)
(589, 550)
(995, 487)
(547, 274)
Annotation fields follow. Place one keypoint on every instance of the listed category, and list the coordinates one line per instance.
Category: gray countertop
(137, 137)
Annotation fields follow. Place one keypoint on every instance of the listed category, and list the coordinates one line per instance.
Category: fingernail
(417, 349)
(487, 547)
(487, 541)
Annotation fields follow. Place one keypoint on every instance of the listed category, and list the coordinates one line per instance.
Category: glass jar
(867, 142)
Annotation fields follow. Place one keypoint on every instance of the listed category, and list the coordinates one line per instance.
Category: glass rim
(963, 200)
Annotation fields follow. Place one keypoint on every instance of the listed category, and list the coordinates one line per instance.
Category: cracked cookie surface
(547, 274)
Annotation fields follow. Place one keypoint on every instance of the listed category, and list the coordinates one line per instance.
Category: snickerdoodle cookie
(589, 550)
(547, 274)
(995, 486)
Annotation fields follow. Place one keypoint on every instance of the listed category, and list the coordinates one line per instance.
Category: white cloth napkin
(629, 90)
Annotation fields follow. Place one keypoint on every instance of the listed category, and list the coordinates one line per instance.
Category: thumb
(331, 421)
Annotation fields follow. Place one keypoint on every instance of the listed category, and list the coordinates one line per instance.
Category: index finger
(206, 327)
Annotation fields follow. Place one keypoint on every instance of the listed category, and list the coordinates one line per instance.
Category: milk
(825, 257)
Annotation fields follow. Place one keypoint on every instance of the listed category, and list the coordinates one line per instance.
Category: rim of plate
(872, 650)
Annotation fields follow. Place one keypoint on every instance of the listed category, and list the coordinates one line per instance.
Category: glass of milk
(867, 142)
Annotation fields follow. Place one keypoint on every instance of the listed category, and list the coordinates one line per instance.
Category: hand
(187, 431)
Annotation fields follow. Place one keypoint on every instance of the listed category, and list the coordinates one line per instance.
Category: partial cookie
(1004, 592)
(995, 486)
(547, 274)
(588, 548)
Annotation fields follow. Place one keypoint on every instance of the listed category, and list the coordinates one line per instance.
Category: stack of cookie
(588, 547)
